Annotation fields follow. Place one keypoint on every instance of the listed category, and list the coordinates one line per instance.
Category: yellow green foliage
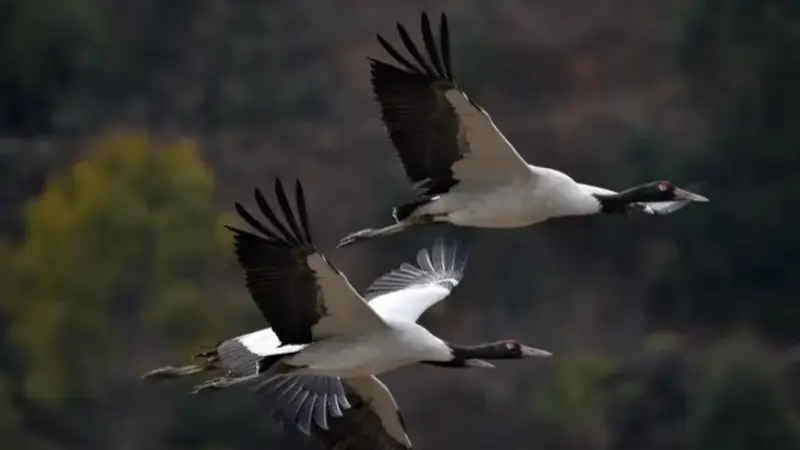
(743, 401)
(121, 242)
(572, 403)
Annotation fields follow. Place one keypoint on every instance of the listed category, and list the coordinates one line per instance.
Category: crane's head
(662, 191)
(655, 191)
(510, 349)
(476, 355)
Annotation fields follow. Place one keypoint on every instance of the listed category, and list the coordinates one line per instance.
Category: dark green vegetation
(128, 128)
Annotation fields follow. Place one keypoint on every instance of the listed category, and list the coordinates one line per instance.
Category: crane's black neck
(619, 203)
(490, 351)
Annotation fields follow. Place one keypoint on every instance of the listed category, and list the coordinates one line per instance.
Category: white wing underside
(373, 391)
(490, 158)
(410, 303)
(408, 291)
(344, 310)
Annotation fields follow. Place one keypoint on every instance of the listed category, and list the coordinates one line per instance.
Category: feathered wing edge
(440, 67)
(301, 399)
(270, 257)
(293, 234)
(442, 264)
(305, 399)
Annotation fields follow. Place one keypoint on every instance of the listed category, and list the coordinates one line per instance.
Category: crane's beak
(478, 363)
(530, 351)
(681, 194)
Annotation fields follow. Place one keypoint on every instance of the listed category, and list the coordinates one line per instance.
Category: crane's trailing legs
(210, 360)
(224, 382)
(370, 233)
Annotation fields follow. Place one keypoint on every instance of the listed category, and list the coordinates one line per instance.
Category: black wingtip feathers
(302, 211)
(287, 230)
(288, 214)
(438, 58)
(444, 37)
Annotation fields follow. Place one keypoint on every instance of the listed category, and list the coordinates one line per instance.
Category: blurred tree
(78, 66)
(743, 403)
(46, 48)
(12, 428)
(647, 396)
(126, 239)
(572, 405)
(742, 63)
(24, 166)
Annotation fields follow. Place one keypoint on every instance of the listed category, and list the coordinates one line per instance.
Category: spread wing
(302, 295)
(441, 137)
(240, 355)
(373, 421)
(408, 291)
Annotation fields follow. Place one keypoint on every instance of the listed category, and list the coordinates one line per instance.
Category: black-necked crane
(467, 172)
(327, 342)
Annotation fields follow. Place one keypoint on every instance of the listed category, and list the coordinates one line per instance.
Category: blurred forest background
(129, 128)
